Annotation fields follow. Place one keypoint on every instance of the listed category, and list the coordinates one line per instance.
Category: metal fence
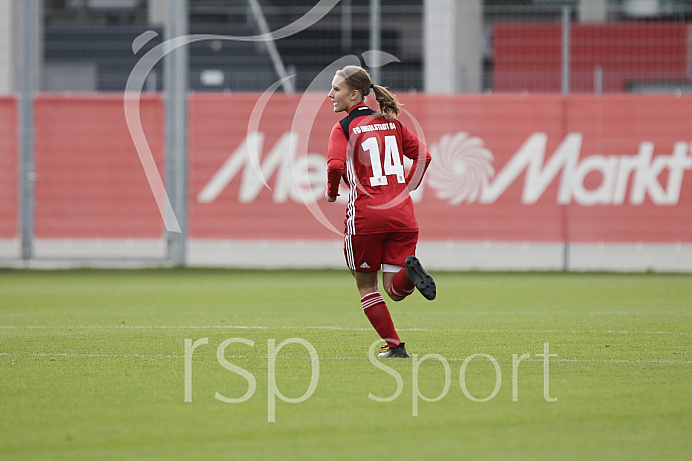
(528, 45)
(625, 49)
(86, 53)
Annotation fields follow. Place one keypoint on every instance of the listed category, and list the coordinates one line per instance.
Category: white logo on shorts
(364, 266)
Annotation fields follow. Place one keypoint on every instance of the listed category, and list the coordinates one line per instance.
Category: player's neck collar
(360, 104)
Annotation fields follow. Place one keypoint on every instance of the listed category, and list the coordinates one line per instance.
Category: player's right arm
(336, 161)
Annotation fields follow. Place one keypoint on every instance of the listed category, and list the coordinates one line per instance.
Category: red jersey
(368, 151)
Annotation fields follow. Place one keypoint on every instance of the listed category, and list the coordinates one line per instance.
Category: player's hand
(329, 199)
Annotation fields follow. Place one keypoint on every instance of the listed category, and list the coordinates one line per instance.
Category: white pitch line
(579, 313)
(118, 356)
(451, 359)
(334, 328)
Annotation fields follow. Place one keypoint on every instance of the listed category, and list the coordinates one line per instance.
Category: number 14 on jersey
(390, 162)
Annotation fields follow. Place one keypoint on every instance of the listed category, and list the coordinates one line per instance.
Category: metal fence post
(175, 99)
(565, 92)
(375, 40)
(27, 82)
(565, 49)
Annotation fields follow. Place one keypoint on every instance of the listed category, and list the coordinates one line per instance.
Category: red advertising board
(8, 167)
(505, 168)
(516, 168)
(89, 180)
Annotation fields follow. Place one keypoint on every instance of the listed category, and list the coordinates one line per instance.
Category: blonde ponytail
(389, 104)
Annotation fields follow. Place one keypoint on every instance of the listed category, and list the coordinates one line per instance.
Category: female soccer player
(366, 148)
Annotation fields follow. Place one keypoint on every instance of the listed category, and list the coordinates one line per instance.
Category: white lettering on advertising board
(462, 171)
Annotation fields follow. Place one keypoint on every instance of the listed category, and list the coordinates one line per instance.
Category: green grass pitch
(94, 365)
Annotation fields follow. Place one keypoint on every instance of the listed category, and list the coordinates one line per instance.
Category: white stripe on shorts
(348, 245)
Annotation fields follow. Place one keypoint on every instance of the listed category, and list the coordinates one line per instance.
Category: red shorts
(367, 253)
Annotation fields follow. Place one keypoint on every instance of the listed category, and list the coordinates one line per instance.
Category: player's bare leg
(388, 285)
